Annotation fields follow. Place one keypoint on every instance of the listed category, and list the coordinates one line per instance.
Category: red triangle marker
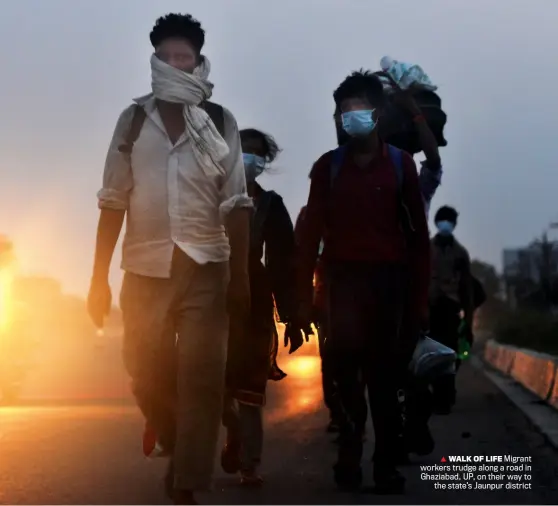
(443, 459)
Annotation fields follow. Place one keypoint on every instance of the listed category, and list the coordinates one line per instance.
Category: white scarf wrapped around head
(173, 85)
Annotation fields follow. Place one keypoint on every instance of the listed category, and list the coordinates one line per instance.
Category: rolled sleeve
(117, 175)
(234, 193)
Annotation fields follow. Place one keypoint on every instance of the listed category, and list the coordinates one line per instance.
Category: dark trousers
(365, 304)
(329, 387)
(444, 326)
(417, 410)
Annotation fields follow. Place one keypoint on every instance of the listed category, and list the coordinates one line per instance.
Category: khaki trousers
(175, 350)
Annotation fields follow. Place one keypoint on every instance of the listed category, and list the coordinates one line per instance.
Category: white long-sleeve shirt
(167, 197)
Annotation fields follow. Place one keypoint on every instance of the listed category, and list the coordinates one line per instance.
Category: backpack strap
(136, 125)
(337, 158)
(217, 115)
(215, 112)
(396, 156)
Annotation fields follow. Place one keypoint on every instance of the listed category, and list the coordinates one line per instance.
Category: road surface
(81, 444)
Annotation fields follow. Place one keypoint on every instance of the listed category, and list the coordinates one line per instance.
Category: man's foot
(401, 457)
(230, 457)
(347, 478)
(152, 448)
(421, 442)
(388, 482)
(183, 497)
(347, 472)
(250, 479)
(400, 453)
(276, 374)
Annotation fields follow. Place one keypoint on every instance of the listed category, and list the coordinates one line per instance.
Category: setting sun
(6, 294)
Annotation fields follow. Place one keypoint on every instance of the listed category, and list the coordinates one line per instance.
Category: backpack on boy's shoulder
(215, 112)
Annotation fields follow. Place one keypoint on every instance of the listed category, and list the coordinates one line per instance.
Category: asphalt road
(77, 441)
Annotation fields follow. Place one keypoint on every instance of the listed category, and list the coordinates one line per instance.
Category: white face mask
(254, 165)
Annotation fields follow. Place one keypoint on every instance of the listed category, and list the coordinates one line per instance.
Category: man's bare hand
(294, 336)
(99, 301)
(304, 320)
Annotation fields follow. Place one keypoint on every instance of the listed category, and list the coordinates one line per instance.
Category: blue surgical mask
(358, 123)
(254, 165)
(445, 228)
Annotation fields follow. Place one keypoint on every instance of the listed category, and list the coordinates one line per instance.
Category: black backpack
(215, 112)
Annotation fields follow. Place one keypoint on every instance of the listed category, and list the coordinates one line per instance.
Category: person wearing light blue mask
(254, 165)
(417, 436)
(430, 174)
(253, 344)
(445, 228)
(451, 294)
(370, 273)
(359, 123)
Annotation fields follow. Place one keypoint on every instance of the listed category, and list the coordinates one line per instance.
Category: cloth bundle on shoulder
(404, 75)
(396, 128)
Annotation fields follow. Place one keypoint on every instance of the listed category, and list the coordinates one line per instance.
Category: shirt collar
(382, 150)
(147, 102)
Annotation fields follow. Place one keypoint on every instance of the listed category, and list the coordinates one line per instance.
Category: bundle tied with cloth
(396, 127)
(176, 86)
(432, 359)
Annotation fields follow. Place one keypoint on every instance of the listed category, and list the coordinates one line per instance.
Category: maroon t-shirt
(358, 217)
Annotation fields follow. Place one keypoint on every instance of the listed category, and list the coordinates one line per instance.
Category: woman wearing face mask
(251, 343)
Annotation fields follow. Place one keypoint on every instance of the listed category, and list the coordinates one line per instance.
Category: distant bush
(531, 329)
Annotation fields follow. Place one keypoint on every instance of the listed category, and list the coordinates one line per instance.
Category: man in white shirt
(176, 172)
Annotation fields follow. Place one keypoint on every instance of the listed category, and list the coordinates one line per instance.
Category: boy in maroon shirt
(376, 254)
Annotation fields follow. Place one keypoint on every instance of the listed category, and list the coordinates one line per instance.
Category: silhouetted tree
(547, 269)
(489, 278)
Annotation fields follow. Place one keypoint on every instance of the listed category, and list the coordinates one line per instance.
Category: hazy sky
(70, 67)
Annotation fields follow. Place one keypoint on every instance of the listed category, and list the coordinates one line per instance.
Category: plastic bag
(432, 359)
(405, 75)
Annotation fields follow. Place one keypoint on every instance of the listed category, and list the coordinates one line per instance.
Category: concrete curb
(541, 415)
(537, 372)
